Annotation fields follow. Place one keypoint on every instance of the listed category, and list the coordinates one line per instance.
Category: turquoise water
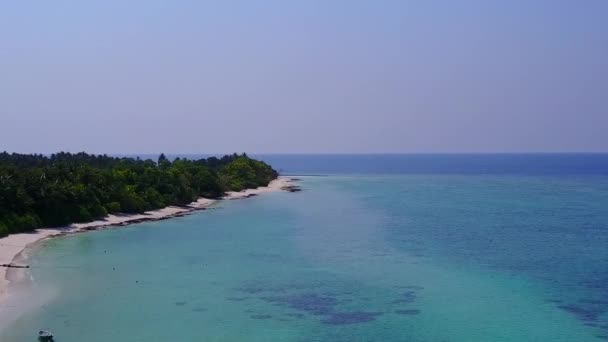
(367, 258)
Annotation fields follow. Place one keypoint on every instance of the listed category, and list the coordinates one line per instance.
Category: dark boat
(45, 336)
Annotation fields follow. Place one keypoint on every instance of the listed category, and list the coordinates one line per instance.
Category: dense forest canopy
(50, 191)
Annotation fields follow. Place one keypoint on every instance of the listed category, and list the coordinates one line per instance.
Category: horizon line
(310, 153)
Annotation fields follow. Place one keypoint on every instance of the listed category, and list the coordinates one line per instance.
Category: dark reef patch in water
(409, 295)
(596, 284)
(410, 287)
(401, 301)
(180, 303)
(307, 301)
(586, 314)
(199, 309)
(408, 312)
(311, 303)
(356, 317)
(261, 316)
(256, 288)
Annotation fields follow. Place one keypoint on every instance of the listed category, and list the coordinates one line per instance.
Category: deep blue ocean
(471, 164)
(431, 248)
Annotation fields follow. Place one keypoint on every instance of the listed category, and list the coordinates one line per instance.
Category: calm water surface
(403, 257)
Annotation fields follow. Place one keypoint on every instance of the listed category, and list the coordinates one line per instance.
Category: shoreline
(12, 246)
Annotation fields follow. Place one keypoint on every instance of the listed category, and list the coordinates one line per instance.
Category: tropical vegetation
(63, 188)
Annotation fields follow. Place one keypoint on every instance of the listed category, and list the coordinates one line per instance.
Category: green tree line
(52, 191)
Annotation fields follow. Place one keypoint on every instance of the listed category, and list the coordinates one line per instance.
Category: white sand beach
(12, 245)
(275, 185)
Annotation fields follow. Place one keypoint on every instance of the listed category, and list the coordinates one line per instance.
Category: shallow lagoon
(367, 258)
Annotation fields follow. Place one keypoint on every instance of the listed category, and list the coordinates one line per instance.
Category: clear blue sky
(304, 76)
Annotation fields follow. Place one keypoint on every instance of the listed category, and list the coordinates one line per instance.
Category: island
(54, 191)
(46, 196)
